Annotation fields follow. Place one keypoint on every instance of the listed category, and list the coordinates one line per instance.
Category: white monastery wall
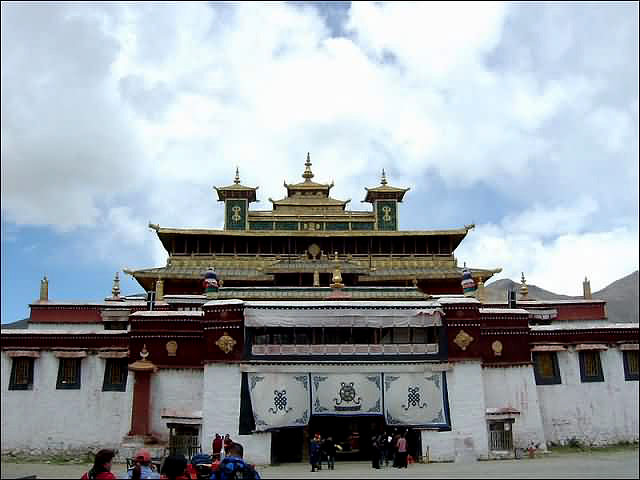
(515, 387)
(468, 436)
(221, 412)
(592, 412)
(178, 389)
(49, 419)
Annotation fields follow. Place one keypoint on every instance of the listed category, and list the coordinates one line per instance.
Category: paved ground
(595, 464)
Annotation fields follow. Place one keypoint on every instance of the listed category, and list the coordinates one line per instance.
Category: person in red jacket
(101, 469)
(217, 446)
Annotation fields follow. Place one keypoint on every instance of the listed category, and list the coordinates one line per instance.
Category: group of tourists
(176, 467)
(389, 448)
(322, 449)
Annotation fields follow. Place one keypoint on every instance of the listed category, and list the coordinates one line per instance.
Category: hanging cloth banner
(346, 394)
(279, 399)
(427, 314)
(417, 399)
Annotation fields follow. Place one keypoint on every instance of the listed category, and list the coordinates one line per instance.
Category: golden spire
(237, 179)
(383, 180)
(308, 174)
(524, 290)
(115, 290)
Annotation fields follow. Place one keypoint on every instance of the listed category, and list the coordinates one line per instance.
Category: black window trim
(69, 386)
(107, 386)
(540, 380)
(12, 379)
(628, 376)
(583, 376)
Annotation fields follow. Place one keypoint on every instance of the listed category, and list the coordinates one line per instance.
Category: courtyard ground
(596, 463)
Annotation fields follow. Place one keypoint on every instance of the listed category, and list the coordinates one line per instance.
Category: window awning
(22, 353)
(590, 346)
(68, 354)
(113, 354)
(549, 348)
(628, 346)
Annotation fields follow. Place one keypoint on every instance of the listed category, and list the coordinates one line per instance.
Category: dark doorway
(286, 445)
(353, 434)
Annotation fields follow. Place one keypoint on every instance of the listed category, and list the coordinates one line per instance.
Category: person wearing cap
(101, 469)
(143, 460)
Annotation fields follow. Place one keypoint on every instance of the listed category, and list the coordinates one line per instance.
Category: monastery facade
(316, 319)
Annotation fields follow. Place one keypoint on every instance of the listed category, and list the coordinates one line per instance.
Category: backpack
(241, 471)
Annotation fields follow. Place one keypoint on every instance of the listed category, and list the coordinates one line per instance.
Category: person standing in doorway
(375, 452)
(402, 451)
(315, 450)
(329, 449)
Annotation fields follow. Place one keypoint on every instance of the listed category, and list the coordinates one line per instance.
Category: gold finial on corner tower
(237, 179)
(383, 180)
(524, 290)
(308, 174)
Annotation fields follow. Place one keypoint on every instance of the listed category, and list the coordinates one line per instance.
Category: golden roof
(372, 193)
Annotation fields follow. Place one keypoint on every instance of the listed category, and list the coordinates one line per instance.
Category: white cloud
(153, 105)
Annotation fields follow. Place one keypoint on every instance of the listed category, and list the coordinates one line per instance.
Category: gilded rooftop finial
(115, 291)
(44, 289)
(336, 279)
(524, 290)
(308, 174)
(237, 179)
(383, 180)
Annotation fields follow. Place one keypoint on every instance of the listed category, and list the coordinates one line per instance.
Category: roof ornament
(383, 180)
(44, 289)
(115, 290)
(336, 280)
(237, 179)
(308, 174)
(524, 290)
(468, 285)
(210, 282)
(586, 289)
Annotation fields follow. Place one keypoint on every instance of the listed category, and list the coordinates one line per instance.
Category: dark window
(115, 375)
(630, 361)
(116, 325)
(21, 374)
(362, 335)
(590, 367)
(69, 374)
(281, 336)
(302, 336)
(545, 368)
(401, 335)
(260, 336)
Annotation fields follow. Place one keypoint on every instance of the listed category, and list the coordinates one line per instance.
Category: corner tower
(385, 199)
(236, 198)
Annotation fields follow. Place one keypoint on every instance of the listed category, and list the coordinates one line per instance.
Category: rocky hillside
(621, 296)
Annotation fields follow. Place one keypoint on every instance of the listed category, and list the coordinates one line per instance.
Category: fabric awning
(590, 346)
(549, 348)
(22, 353)
(331, 317)
(628, 346)
(67, 354)
(113, 354)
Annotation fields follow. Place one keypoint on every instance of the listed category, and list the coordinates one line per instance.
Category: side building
(317, 319)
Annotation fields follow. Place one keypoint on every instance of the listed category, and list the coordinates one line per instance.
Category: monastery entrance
(352, 433)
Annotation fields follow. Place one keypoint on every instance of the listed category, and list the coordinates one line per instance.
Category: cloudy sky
(520, 118)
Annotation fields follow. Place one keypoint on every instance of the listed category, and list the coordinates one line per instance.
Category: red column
(141, 394)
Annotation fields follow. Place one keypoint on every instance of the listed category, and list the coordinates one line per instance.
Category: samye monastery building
(317, 319)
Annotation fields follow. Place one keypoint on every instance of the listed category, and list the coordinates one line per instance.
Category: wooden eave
(371, 192)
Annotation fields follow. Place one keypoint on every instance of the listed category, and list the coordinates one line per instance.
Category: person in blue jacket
(233, 467)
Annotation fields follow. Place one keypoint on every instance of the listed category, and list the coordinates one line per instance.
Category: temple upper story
(298, 242)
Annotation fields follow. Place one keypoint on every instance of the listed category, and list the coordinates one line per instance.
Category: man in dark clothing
(375, 452)
(329, 449)
(315, 451)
